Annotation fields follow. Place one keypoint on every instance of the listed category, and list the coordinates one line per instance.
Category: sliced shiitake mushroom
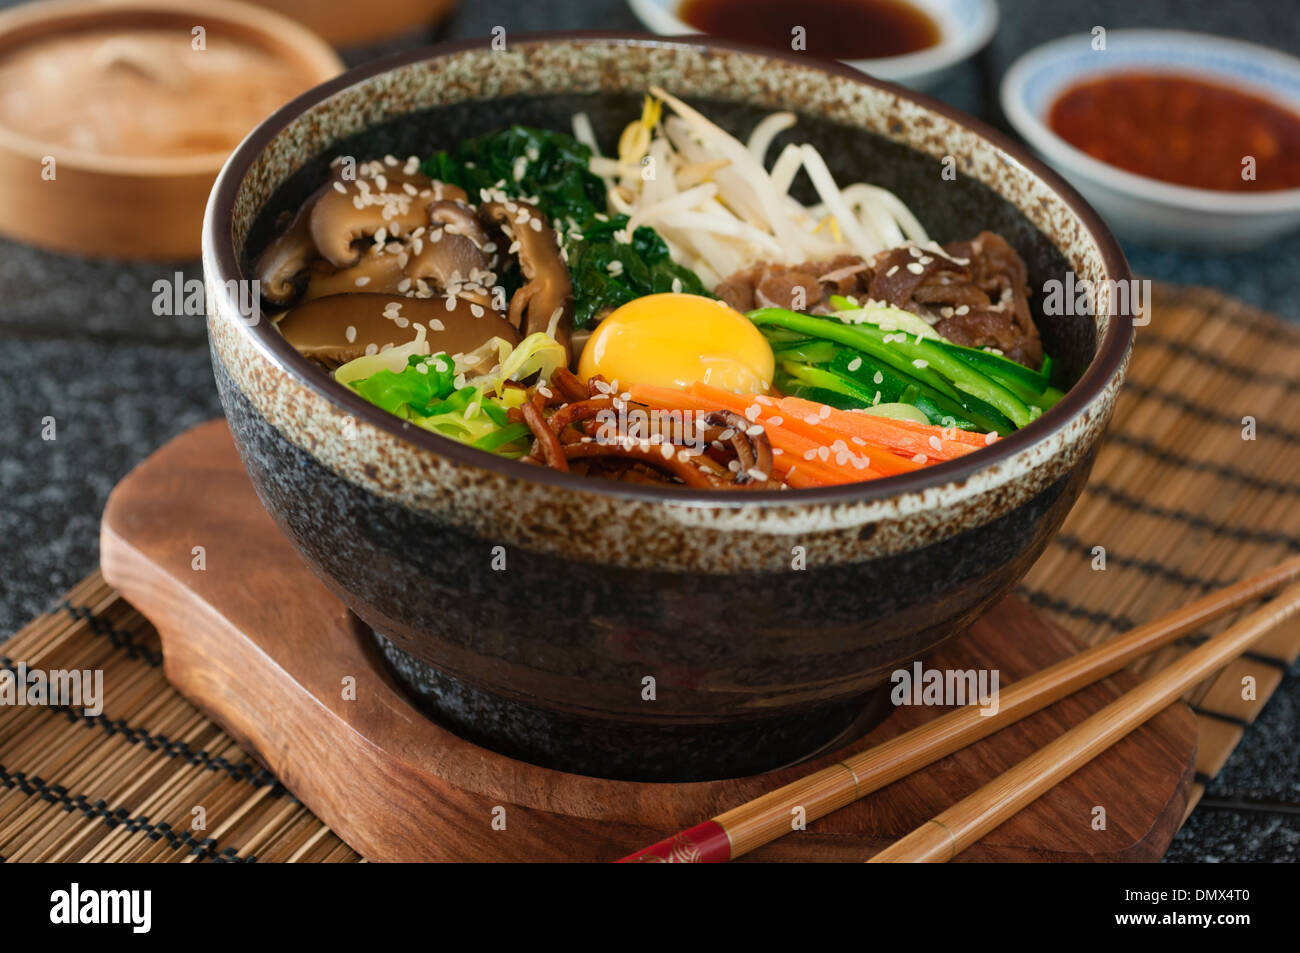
(457, 218)
(288, 255)
(378, 271)
(545, 303)
(343, 327)
(445, 258)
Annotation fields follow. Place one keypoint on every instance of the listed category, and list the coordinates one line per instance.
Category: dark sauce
(834, 29)
(1182, 130)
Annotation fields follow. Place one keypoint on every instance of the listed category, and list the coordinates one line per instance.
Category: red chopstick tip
(705, 843)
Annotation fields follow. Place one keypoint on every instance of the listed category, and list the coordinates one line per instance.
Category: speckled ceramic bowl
(630, 631)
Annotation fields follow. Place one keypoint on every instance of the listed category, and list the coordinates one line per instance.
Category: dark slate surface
(79, 342)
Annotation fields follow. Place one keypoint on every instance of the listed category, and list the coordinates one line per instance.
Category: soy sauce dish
(890, 427)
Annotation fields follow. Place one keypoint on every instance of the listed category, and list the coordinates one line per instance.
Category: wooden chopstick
(766, 818)
(968, 820)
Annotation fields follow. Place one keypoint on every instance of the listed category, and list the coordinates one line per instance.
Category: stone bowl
(633, 632)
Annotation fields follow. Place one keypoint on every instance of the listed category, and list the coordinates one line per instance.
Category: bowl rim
(221, 266)
(662, 16)
(1035, 130)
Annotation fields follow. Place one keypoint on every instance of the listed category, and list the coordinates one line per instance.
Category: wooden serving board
(258, 643)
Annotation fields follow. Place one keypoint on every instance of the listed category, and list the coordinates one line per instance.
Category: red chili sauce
(1182, 130)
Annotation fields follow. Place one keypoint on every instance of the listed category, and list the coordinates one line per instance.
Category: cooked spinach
(551, 167)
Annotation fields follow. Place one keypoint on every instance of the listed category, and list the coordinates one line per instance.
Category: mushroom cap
(288, 254)
(446, 257)
(377, 198)
(379, 271)
(457, 218)
(339, 328)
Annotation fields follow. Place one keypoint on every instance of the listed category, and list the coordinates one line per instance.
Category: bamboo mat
(1179, 501)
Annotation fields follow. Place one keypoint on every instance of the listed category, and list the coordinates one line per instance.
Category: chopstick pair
(758, 822)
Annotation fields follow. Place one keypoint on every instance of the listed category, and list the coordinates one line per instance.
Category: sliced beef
(766, 285)
(975, 292)
(997, 270)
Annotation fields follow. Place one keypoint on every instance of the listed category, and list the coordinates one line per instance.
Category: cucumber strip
(925, 360)
(891, 383)
(788, 385)
(1002, 367)
(974, 382)
(968, 416)
(828, 380)
(811, 352)
(863, 337)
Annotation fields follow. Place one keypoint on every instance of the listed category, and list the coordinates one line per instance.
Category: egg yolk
(675, 340)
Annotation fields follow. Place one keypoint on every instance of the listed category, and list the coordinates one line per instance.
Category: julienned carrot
(900, 436)
(861, 420)
(882, 459)
(798, 454)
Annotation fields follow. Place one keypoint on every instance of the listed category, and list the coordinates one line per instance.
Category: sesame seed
(990, 437)
(363, 281)
(372, 349)
(535, 224)
(918, 363)
(878, 378)
(823, 453)
(920, 458)
(755, 430)
(915, 268)
(855, 363)
(890, 272)
(340, 188)
(776, 421)
(350, 333)
(436, 325)
(962, 309)
(934, 442)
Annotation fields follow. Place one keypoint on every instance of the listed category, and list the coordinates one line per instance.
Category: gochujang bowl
(604, 616)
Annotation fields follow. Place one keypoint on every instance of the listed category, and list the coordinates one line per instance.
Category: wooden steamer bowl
(129, 207)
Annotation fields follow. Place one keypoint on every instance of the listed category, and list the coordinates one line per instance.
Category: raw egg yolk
(675, 340)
